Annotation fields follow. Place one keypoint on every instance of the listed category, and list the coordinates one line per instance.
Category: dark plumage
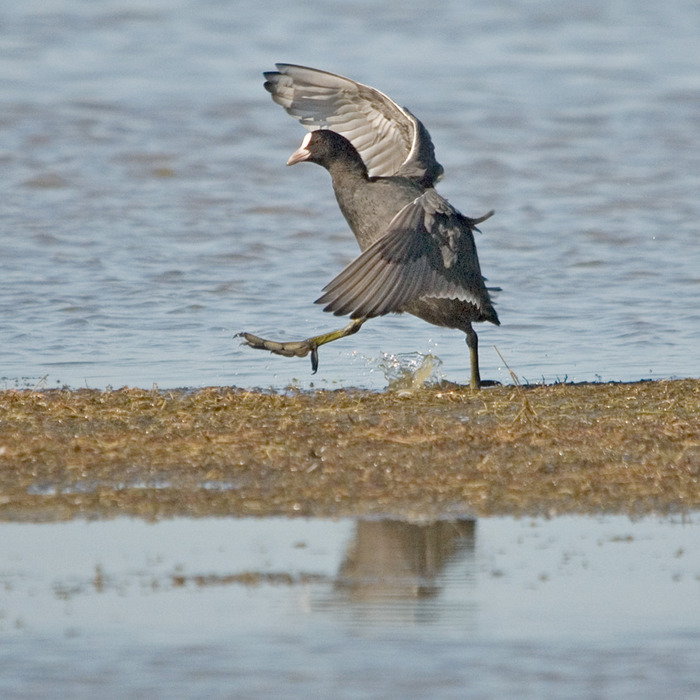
(418, 252)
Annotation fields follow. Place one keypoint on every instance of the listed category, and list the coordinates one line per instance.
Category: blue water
(147, 216)
(566, 608)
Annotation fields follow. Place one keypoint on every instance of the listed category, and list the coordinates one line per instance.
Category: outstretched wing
(390, 140)
(427, 252)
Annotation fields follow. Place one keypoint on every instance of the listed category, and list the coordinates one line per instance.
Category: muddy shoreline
(433, 452)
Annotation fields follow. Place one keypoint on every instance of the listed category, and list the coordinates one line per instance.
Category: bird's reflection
(398, 570)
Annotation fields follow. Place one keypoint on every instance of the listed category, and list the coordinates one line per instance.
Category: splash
(411, 371)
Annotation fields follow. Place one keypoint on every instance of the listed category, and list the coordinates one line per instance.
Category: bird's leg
(473, 345)
(301, 348)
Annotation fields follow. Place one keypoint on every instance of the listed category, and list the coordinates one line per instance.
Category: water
(147, 216)
(568, 608)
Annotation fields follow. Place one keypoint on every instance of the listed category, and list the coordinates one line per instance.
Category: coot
(418, 252)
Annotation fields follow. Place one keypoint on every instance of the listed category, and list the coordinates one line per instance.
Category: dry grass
(626, 448)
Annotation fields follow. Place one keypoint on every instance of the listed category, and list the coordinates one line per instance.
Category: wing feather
(428, 251)
(390, 140)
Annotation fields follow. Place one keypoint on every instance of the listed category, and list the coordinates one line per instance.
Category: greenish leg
(473, 345)
(301, 348)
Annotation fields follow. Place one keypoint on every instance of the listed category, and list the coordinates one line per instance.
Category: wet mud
(430, 452)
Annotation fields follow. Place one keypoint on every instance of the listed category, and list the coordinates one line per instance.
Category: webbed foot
(301, 348)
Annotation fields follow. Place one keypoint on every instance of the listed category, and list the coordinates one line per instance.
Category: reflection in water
(297, 608)
(396, 570)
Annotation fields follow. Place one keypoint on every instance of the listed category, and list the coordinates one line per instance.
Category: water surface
(147, 215)
(569, 608)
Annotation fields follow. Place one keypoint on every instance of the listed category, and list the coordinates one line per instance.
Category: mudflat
(430, 452)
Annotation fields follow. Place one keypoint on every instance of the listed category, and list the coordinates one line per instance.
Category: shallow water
(568, 608)
(147, 215)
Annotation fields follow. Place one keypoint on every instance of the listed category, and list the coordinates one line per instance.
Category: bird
(418, 253)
